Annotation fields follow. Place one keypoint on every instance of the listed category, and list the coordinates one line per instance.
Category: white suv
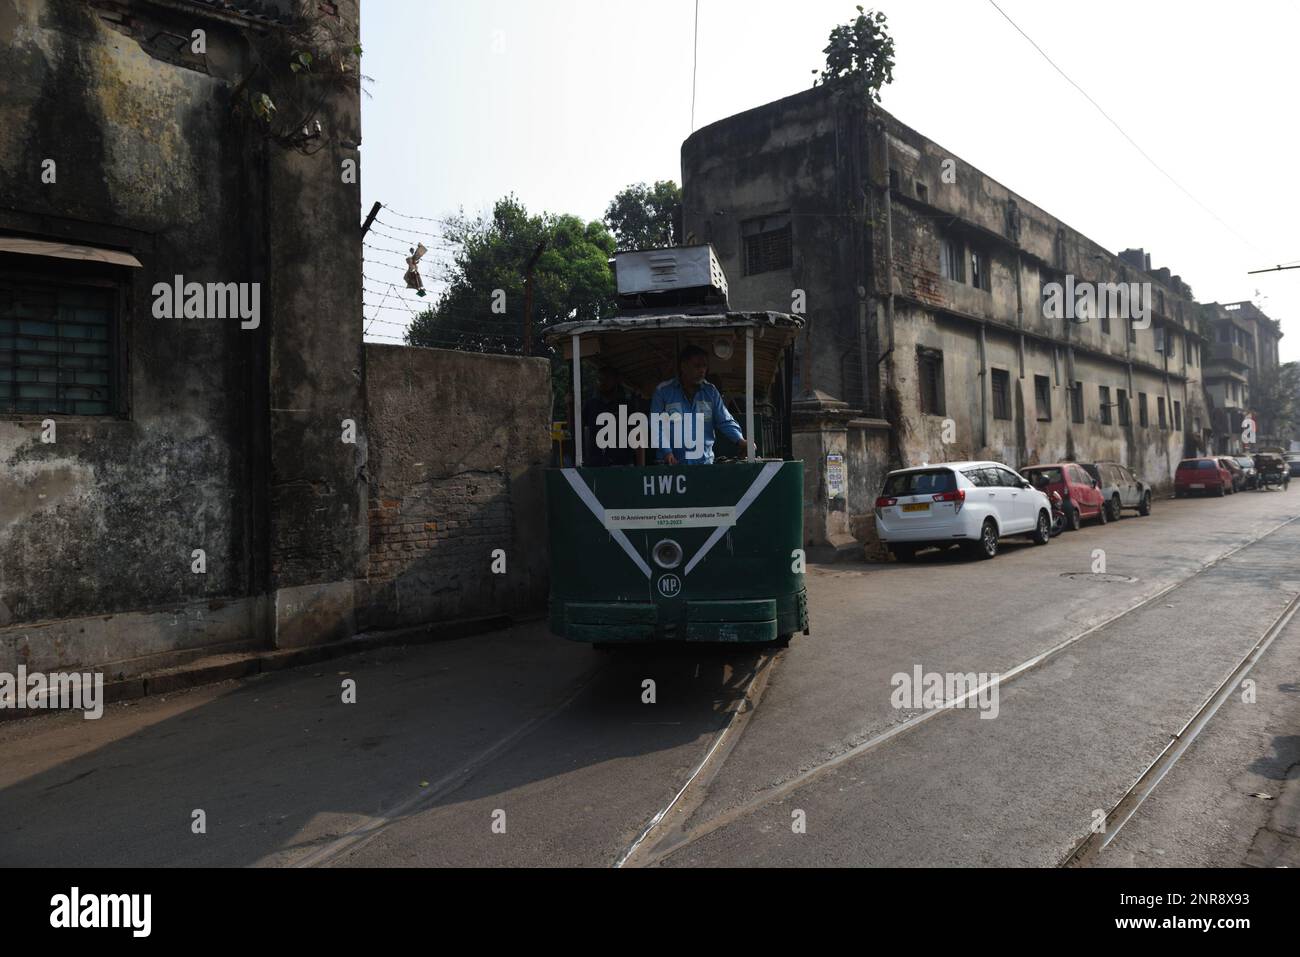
(971, 503)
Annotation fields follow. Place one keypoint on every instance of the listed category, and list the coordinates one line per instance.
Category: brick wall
(457, 444)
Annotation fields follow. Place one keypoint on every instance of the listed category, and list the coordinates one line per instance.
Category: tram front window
(610, 397)
(699, 404)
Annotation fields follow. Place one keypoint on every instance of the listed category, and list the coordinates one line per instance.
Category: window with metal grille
(1043, 397)
(1178, 416)
(1143, 419)
(1160, 412)
(57, 347)
(1125, 418)
(979, 270)
(1103, 392)
(1076, 403)
(930, 378)
(769, 244)
(950, 260)
(1001, 394)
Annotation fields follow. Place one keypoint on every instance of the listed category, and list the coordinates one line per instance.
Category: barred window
(1143, 419)
(950, 260)
(57, 348)
(1076, 403)
(768, 244)
(1103, 391)
(1043, 397)
(930, 377)
(979, 270)
(1001, 394)
(1124, 414)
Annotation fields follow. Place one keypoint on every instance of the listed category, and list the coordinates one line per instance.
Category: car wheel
(1073, 520)
(1103, 513)
(1043, 530)
(1178, 493)
(1145, 507)
(1220, 493)
(903, 553)
(1115, 508)
(987, 546)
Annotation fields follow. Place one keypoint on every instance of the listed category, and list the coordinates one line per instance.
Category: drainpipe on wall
(1020, 314)
(984, 388)
(889, 246)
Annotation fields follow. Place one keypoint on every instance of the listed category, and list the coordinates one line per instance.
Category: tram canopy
(644, 348)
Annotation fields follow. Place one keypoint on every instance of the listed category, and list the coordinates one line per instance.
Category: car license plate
(918, 507)
(1197, 485)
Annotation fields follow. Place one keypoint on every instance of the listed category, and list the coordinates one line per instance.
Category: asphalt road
(519, 749)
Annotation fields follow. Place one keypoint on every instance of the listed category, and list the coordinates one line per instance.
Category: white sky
(564, 102)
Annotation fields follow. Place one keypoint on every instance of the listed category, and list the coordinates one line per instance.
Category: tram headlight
(667, 554)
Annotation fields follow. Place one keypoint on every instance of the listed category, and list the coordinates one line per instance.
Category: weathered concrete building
(185, 458)
(925, 284)
(1243, 349)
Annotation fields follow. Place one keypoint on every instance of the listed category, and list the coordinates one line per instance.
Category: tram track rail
(1089, 849)
(671, 844)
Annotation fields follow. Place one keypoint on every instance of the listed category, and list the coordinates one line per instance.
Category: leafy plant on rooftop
(859, 57)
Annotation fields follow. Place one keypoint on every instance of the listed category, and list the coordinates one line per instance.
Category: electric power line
(1112, 122)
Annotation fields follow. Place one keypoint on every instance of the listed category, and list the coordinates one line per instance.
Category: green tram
(685, 552)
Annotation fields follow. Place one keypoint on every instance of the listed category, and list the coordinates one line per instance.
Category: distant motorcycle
(1058, 514)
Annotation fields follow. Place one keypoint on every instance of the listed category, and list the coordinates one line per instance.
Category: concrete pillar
(819, 425)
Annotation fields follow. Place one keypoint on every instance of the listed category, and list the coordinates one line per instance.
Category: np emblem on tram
(670, 586)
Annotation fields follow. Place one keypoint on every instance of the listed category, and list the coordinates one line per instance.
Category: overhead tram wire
(1112, 122)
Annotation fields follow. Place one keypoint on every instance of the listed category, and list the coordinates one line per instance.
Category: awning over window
(38, 247)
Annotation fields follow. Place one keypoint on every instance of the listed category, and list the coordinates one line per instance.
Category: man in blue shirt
(686, 395)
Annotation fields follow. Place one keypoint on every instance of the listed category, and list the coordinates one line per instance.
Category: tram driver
(691, 392)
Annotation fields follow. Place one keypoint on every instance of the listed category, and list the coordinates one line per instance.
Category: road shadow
(279, 764)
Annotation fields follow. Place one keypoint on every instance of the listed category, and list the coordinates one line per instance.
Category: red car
(1080, 495)
(1202, 477)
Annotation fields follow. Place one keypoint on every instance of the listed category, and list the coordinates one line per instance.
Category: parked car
(1205, 476)
(971, 504)
(1120, 488)
(1238, 476)
(1080, 492)
(1248, 469)
(1293, 463)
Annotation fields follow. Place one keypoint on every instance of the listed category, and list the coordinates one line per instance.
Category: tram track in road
(714, 758)
(671, 844)
(360, 834)
(738, 703)
(1089, 849)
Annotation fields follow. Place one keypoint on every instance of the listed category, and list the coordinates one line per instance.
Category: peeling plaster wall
(228, 439)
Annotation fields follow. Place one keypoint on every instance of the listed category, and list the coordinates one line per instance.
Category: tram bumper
(741, 621)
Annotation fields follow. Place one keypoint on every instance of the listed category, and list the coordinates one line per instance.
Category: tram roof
(644, 347)
(674, 320)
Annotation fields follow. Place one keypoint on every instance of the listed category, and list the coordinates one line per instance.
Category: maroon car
(1205, 476)
(1080, 496)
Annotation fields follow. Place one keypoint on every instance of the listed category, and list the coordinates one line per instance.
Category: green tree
(1276, 401)
(646, 217)
(859, 57)
(482, 309)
